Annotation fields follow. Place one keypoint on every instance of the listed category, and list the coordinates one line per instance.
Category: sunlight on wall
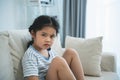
(102, 19)
(112, 11)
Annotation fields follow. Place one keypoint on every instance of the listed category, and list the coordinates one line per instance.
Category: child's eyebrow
(49, 34)
(44, 32)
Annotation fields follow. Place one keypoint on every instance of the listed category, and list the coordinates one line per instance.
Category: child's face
(43, 39)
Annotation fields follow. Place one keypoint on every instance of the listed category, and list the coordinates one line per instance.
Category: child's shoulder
(30, 51)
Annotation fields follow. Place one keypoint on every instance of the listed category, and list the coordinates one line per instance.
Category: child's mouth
(47, 45)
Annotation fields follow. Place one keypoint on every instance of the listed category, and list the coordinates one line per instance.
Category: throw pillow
(89, 51)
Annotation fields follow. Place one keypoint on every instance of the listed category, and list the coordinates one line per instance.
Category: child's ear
(32, 34)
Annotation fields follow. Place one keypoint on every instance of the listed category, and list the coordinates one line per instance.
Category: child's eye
(44, 34)
(53, 36)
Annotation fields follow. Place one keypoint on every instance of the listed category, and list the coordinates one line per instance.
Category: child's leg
(59, 70)
(72, 58)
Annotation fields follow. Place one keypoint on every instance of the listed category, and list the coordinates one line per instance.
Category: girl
(41, 63)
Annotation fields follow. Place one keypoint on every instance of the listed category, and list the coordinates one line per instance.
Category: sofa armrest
(108, 62)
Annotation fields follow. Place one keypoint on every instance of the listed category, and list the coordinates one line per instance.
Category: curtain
(74, 18)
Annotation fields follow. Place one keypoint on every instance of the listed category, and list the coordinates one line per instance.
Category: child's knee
(71, 51)
(59, 62)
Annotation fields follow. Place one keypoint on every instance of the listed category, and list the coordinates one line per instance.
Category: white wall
(6, 12)
(12, 14)
(103, 19)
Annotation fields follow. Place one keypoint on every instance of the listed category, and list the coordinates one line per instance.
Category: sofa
(97, 66)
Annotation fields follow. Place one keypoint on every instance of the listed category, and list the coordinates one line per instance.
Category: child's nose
(48, 39)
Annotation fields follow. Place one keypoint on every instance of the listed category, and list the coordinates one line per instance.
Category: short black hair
(43, 21)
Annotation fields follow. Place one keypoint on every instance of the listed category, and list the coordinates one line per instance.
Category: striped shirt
(35, 64)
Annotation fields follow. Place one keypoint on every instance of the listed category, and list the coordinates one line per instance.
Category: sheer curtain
(74, 18)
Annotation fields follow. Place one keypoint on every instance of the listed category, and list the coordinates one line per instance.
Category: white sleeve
(29, 65)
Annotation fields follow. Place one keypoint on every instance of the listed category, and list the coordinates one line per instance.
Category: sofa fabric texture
(6, 67)
(13, 44)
